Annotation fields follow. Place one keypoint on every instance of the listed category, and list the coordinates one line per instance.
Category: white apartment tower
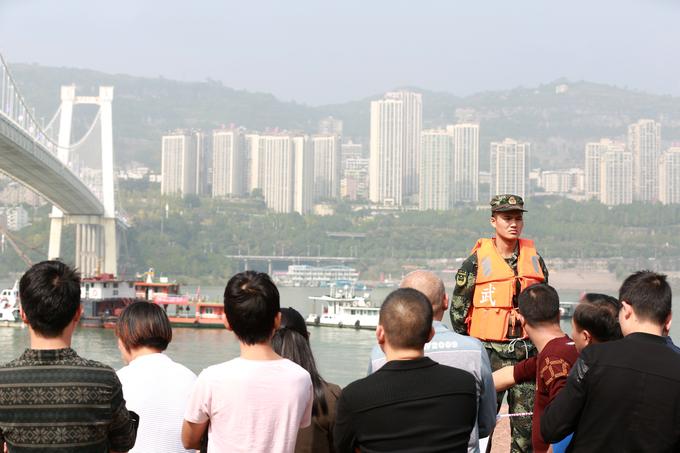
(669, 176)
(616, 174)
(327, 166)
(178, 164)
(465, 162)
(229, 163)
(594, 152)
(330, 126)
(644, 141)
(275, 170)
(354, 183)
(436, 170)
(396, 123)
(509, 167)
(303, 183)
(283, 168)
(387, 152)
(252, 146)
(203, 166)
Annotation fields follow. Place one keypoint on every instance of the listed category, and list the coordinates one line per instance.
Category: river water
(341, 354)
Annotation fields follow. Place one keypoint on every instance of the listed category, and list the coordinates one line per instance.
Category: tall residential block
(557, 182)
(275, 171)
(283, 168)
(178, 163)
(303, 176)
(436, 170)
(354, 183)
(644, 141)
(203, 166)
(330, 126)
(327, 166)
(465, 162)
(396, 123)
(669, 176)
(616, 174)
(509, 167)
(593, 157)
(252, 146)
(229, 163)
(351, 150)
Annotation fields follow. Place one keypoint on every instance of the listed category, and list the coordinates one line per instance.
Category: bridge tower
(96, 244)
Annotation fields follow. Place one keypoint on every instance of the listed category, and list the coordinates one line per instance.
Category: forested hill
(557, 124)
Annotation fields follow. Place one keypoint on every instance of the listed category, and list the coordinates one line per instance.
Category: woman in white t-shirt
(154, 385)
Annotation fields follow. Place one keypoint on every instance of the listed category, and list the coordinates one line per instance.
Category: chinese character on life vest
(487, 295)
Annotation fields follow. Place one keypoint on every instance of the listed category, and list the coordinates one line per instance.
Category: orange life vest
(493, 316)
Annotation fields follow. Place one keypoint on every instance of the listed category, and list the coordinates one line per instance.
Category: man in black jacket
(624, 395)
(412, 403)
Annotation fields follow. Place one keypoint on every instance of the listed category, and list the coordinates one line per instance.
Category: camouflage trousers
(520, 397)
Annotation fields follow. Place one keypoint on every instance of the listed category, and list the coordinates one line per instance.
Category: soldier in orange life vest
(484, 302)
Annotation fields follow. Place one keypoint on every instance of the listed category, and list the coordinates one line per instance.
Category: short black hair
(599, 315)
(539, 304)
(50, 297)
(649, 294)
(406, 317)
(251, 303)
(144, 324)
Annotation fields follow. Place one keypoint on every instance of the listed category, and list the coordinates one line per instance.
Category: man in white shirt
(256, 402)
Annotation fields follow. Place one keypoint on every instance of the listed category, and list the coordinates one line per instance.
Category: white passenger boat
(9, 306)
(342, 308)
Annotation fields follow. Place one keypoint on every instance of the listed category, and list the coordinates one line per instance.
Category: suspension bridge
(43, 159)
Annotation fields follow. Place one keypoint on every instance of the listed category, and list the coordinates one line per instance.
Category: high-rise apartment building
(178, 163)
(354, 184)
(303, 176)
(228, 163)
(327, 166)
(465, 162)
(436, 170)
(644, 141)
(275, 171)
(669, 176)
(283, 168)
(616, 174)
(203, 166)
(594, 151)
(396, 123)
(509, 167)
(557, 182)
(252, 146)
(330, 126)
(351, 150)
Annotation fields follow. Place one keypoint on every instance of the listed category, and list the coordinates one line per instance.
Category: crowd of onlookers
(614, 385)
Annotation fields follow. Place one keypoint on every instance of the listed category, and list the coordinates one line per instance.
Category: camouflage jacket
(464, 290)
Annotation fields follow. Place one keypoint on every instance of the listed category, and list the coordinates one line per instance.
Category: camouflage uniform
(520, 397)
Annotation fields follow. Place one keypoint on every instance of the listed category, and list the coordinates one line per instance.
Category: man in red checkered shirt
(539, 308)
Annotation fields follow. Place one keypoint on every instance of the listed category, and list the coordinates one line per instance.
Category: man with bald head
(452, 349)
(412, 403)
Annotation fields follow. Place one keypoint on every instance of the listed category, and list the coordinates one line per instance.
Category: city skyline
(444, 162)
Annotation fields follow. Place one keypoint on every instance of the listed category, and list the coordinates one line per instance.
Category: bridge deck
(33, 165)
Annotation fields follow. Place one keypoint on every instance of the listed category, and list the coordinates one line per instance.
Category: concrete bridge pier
(95, 241)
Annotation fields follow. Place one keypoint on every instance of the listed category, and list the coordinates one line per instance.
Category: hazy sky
(317, 51)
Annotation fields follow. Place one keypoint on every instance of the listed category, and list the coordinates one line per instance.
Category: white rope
(516, 414)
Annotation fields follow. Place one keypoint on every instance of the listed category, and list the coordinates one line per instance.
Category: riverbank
(581, 280)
